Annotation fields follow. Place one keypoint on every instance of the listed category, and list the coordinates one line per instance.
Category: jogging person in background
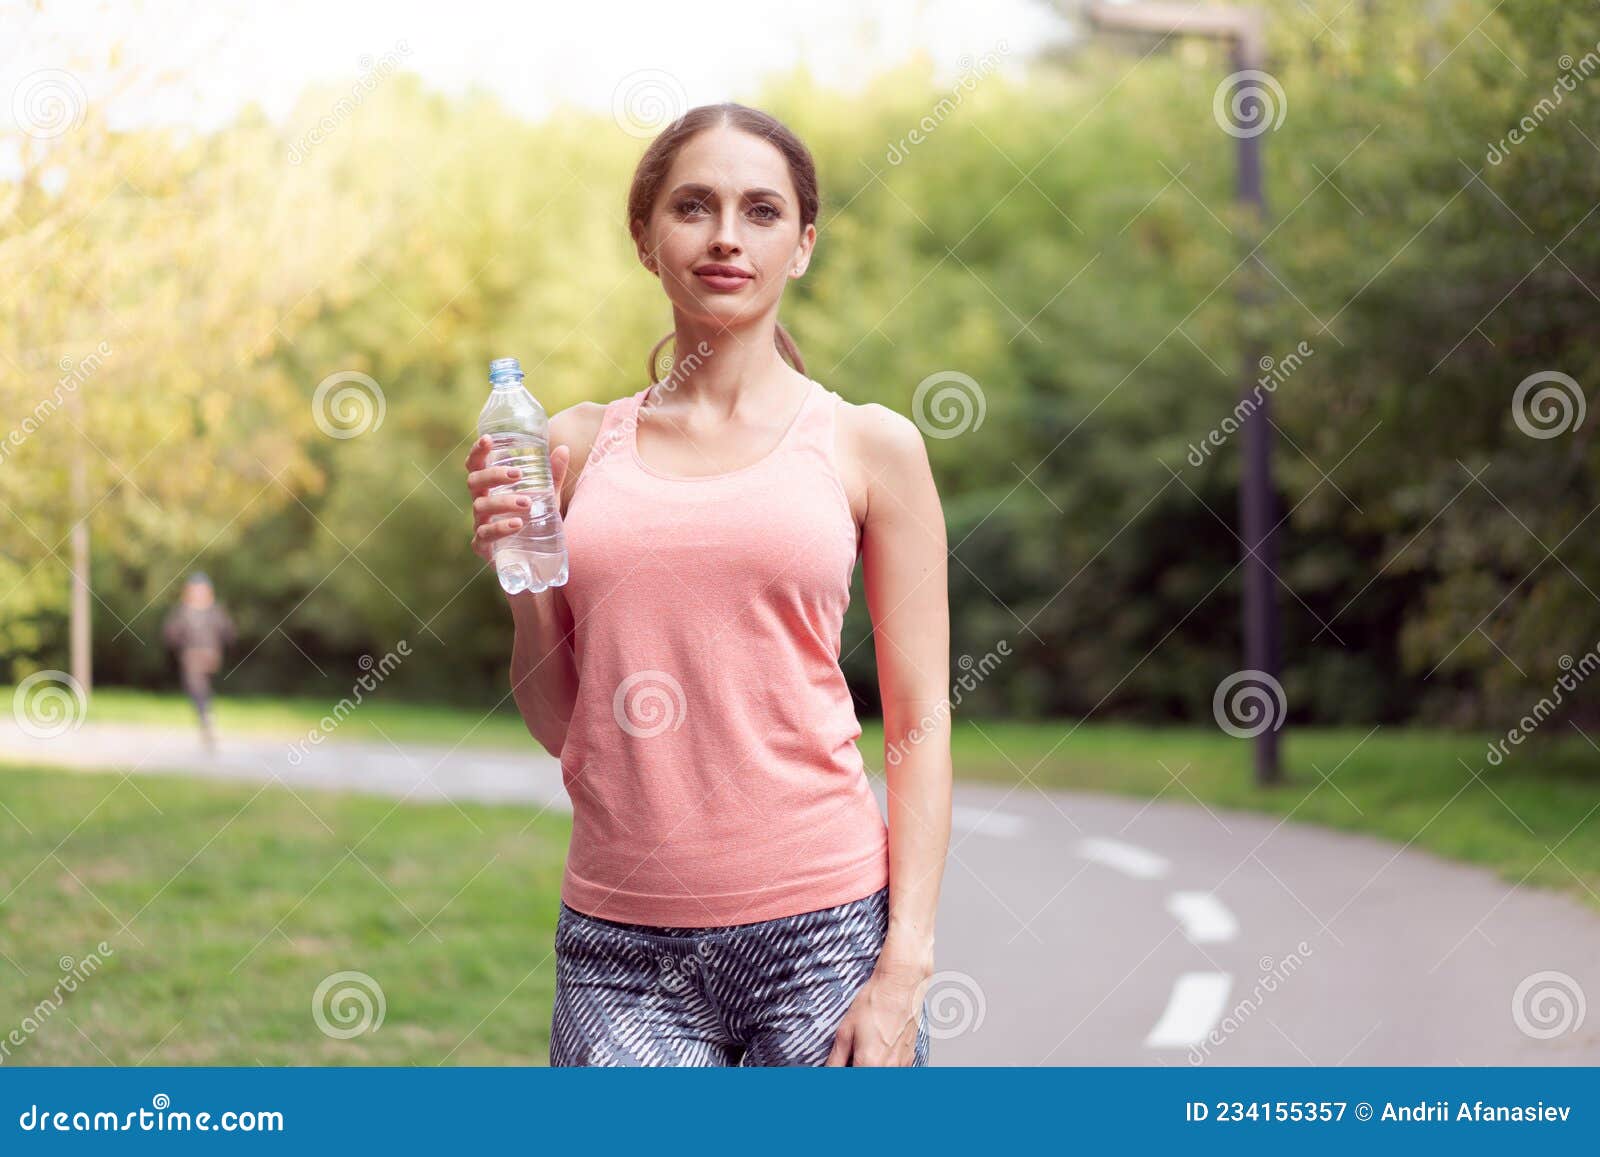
(732, 895)
(198, 629)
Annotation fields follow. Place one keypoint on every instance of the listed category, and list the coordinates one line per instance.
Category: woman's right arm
(544, 677)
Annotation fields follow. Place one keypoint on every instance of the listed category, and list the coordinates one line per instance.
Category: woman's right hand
(496, 515)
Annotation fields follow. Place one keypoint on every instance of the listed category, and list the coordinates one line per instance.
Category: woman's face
(724, 234)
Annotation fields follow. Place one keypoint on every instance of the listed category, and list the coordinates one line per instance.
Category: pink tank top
(711, 758)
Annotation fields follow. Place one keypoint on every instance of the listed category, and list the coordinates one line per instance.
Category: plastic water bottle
(535, 557)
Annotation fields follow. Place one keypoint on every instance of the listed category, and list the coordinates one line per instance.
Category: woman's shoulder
(878, 436)
(875, 446)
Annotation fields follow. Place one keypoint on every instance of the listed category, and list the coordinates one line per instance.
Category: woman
(198, 629)
(731, 894)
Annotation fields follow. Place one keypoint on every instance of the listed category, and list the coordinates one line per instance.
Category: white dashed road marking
(1137, 862)
(1198, 998)
(1197, 1003)
(1204, 918)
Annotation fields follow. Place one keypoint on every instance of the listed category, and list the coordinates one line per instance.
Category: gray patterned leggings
(767, 993)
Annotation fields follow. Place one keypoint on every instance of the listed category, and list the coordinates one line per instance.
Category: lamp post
(1242, 29)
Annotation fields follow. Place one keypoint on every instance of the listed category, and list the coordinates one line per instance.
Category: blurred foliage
(1068, 237)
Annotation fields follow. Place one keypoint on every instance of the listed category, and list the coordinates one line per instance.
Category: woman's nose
(727, 238)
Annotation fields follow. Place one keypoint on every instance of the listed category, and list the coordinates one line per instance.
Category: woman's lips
(723, 282)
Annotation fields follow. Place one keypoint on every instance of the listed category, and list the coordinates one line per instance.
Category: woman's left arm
(904, 566)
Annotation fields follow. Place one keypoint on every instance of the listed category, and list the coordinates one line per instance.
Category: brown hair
(657, 160)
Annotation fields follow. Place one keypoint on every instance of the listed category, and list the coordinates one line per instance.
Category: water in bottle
(535, 557)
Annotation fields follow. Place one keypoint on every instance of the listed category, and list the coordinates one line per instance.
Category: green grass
(371, 720)
(239, 902)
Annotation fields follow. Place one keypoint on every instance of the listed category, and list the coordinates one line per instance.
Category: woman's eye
(762, 210)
